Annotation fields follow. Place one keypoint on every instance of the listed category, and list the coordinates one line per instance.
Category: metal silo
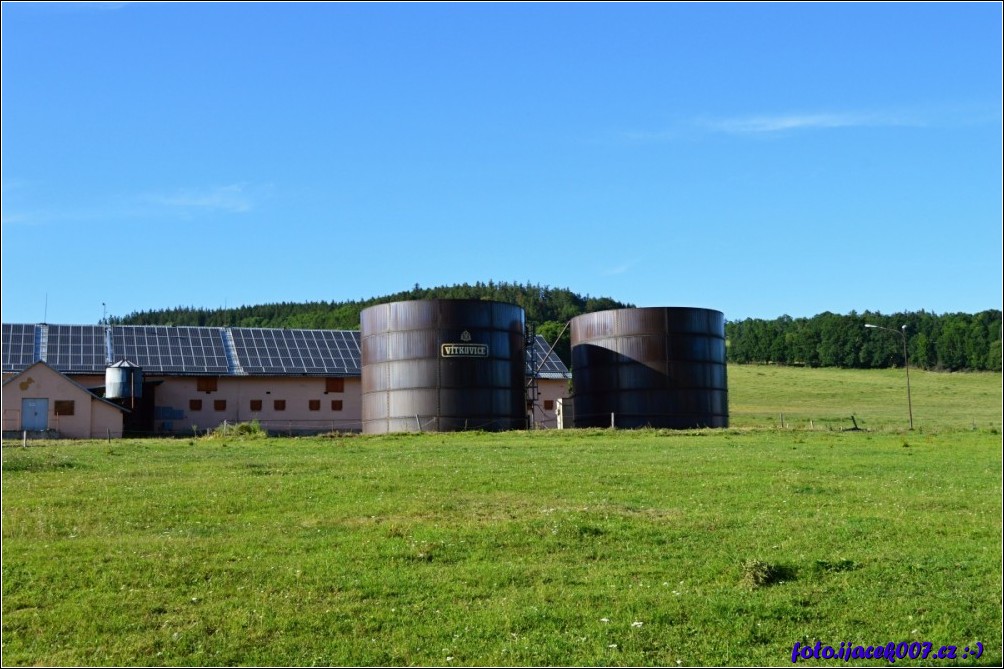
(123, 380)
(660, 367)
(442, 365)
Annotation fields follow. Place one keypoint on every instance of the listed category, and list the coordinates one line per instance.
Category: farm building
(40, 399)
(195, 378)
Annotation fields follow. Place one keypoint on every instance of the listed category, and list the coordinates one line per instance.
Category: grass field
(646, 547)
(759, 395)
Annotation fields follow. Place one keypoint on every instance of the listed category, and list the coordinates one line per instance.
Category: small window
(332, 385)
(255, 405)
(195, 405)
(279, 405)
(315, 405)
(206, 384)
(220, 405)
(64, 407)
(548, 405)
(336, 405)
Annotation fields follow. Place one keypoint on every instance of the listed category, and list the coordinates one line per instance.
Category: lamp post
(906, 364)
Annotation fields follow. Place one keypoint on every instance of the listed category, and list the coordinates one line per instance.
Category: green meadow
(827, 398)
(599, 547)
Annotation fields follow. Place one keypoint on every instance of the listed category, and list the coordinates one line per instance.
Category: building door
(34, 414)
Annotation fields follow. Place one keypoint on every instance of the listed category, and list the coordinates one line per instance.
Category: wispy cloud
(62, 8)
(17, 219)
(623, 268)
(643, 136)
(774, 123)
(180, 204)
(765, 125)
(233, 199)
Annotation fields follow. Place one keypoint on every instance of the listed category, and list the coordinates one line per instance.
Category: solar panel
(550, 367)
(76, 348)
(320, 352)
(205, 350)
(347, 346)
(19, 350)
(169, 349)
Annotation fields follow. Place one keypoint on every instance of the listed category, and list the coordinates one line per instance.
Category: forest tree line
(548, 308)
(949, 342)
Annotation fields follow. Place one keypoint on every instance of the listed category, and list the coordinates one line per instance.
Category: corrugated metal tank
(123, 380)
(442, 365)
(660, 367)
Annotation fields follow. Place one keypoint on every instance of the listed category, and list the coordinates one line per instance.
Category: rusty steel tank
(658, 366)
(442, 365)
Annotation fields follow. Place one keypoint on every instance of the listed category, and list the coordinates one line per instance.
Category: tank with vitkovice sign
(442, 366)
(658, 367)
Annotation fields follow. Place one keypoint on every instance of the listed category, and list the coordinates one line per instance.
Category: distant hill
(546, 307)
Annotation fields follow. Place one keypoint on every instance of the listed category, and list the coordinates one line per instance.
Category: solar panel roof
(550, 367)
(269, 351)
(76, 348)
(168, 349)
(189, 350)
(19, 347)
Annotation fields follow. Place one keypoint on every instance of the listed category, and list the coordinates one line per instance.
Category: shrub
(248, 430)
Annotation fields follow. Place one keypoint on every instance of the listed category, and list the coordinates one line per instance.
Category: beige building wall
(185, 405)
(281, 404)
(106, 420)
(72, 411)
(90, 381)
(549, 390)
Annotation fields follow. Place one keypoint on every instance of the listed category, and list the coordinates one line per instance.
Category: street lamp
(906, 364)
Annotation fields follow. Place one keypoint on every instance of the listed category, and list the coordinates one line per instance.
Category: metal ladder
(532, 389)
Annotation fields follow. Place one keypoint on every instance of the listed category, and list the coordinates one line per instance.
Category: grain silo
(442, 365)
(123, 380)
(660, 367)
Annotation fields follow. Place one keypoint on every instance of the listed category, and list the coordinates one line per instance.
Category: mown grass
(759, 395)
(551, 548)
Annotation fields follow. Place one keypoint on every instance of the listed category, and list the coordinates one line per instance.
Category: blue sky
(757, 159)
